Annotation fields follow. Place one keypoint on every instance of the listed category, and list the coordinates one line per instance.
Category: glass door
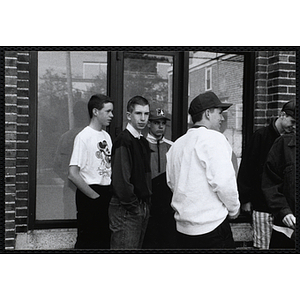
(149, 76)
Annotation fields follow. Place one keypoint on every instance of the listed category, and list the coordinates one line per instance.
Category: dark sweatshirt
(251, 168)
(131, 172)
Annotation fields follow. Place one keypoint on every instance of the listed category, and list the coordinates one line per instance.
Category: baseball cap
(205, 101)
(157, 113)
(289, 108)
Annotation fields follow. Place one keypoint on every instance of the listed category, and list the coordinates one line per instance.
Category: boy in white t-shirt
(90, 171)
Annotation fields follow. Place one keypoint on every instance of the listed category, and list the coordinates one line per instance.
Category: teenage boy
(201, 175)
(251, 169)
(279, 187)
(131, 180)
(90, 171)
(161, 230)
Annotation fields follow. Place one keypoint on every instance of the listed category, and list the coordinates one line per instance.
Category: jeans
(128, 229)
(219, 238)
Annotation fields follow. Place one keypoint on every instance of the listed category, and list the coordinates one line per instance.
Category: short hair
(136, 100)
(199, 116)
(97, 101)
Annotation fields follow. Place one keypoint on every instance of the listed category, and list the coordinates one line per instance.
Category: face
(138, 118)
(288, 123)
(104, 115)
(216, 119)
(157, 128)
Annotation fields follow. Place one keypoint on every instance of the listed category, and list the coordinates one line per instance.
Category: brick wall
(275, 83)
(16, 144)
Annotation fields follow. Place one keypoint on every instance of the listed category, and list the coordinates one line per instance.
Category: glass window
(66, 80)
(223, 74)
(150, 76)
(208, 79)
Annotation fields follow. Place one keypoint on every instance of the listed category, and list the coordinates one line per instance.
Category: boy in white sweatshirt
(201, 176)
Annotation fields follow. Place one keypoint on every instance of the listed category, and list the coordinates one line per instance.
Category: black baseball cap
(205, 101)
(289, 108)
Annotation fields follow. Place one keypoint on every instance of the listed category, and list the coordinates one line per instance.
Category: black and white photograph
(149, 151)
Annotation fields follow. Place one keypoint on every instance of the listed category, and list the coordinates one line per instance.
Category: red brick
(10, 62)
(23, 57)
(23, 75)
(21, 212)
(10, 72)
(21, 229)
(9, 243)
(10, 206)
(10, 179)
(10, 225)
(11, 109)
(10, 215)
(10, 234)
(21, 220)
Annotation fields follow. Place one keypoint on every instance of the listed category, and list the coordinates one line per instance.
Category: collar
(198, 126)
(133, 131)
(153, 140)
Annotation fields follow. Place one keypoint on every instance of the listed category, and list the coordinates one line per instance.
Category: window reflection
(223, 74)
(66, 80)
(150, 76)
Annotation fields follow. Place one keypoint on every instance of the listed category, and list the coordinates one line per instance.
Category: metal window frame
(115, 61)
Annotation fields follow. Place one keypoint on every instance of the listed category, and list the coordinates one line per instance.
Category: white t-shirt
(92, 154)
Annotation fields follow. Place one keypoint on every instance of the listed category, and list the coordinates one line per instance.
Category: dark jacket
(131, 172)
(278, 181)
(251, 168)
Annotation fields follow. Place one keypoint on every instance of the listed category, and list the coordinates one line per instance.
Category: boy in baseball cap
(161, 227)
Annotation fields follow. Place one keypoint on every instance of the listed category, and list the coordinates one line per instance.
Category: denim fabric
(128, 229)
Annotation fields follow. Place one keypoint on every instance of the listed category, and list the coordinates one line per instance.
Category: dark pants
(219, 238)
(161, 230)
(281, 241)
(92, 219)
(128, 229)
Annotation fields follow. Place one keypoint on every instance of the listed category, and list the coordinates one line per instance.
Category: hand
(246, 207)
(289, 220)
(94, 196)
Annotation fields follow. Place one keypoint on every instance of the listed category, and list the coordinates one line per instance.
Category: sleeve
(248, 170)
(273, 181)
(79, 153)
(169, 173)
(121, 174)
(215, 155)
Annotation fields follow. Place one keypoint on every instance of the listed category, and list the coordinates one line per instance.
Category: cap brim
(158, 118)
(224, 106)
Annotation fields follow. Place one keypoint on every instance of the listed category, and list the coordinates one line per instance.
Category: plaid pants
(262, 229)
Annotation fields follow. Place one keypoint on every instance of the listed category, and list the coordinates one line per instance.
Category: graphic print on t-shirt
(104, 155)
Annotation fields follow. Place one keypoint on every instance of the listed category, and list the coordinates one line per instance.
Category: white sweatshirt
(202, 178)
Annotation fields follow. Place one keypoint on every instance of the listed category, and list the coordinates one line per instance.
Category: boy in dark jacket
(278, 185)
(161, 229)
(131, 180)
(251, 169)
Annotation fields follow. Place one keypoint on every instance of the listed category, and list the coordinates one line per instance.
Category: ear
(207, 114)
(95, 111)
(128, 115)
